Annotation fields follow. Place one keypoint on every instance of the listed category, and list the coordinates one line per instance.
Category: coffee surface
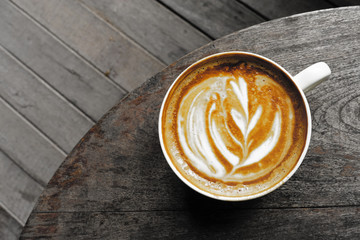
(234, 126)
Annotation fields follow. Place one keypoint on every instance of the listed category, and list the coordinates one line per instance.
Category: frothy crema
(234, 127)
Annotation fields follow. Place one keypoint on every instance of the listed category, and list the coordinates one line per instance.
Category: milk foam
(205, 134)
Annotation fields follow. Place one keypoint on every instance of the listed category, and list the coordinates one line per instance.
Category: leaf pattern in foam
(195, 140)
(246, 125)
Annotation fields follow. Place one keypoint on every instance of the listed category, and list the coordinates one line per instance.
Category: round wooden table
(116, 183)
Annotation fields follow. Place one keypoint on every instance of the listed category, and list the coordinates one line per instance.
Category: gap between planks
(7, 210)
(69, 48)
(109, 62)
(254, 10)
(53, 91)
(120, 32)
(184, 19)
(46, 84)
(10, 228)
(31, 125)
(214, 18)
(66, 72)
(19, 190)
(30, 184)
(152, 26)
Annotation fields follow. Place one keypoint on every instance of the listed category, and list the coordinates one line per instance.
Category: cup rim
(236, 198)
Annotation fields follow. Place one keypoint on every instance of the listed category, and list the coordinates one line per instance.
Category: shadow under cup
(234, 126)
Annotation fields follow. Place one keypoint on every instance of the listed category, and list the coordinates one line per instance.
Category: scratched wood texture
(116, 183)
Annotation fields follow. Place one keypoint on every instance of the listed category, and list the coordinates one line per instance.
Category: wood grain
(113, 53)
(303, 223)
(118, 168)
(33, 97)
(154, 27)
(10, 229)
(32, 148)
(81, 84)
(19, 191)
(137, 152)
(216, 18)
(281, 8)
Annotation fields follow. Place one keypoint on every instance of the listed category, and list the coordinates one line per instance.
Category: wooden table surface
(116, 184)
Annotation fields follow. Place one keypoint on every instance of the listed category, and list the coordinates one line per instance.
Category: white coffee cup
(304, 81)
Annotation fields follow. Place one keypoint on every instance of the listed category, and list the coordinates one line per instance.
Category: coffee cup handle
(312, 76)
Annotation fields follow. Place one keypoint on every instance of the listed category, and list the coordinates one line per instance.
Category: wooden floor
(63, 64)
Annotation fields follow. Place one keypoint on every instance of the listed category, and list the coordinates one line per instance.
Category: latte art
(233, 129)
(217, 130)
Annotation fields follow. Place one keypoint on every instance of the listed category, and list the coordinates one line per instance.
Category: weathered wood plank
(126, 157)
(19, 191)
(318, 223)
(80, 83)
(153, 26)
(24, 144)
(281, 8)
(39, 103)
(112, 52)
(216, 18)
(10, 229)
